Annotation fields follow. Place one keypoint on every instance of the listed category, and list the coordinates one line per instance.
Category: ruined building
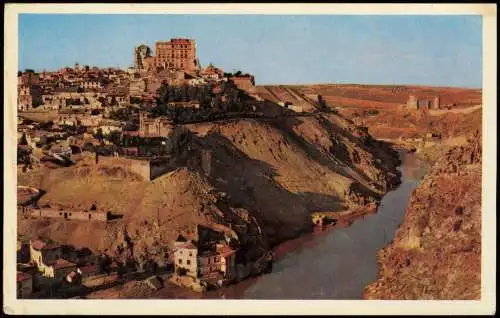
(154, 127)
(421, 104)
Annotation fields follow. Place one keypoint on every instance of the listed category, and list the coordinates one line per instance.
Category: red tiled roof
(62, 263)
(225, 251)
(22, 276)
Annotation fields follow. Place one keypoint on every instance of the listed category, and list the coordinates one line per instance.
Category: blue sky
(281, 49)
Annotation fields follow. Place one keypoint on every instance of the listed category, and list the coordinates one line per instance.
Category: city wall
(64, 214)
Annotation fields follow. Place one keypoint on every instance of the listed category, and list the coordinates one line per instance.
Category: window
(190, 254)
(180, 261)
(189, 262)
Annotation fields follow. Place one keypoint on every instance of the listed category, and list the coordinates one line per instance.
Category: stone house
(219, 262)
(185, 256)
(24, 285)
(209, 263)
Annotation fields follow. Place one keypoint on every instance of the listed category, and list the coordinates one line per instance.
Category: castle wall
(65, 214)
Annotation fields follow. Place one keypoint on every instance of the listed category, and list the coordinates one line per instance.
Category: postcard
(249, 158)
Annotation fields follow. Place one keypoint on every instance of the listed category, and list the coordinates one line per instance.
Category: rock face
(436, 253)
(258, 181)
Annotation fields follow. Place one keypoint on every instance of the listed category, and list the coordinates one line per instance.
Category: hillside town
(108, 113)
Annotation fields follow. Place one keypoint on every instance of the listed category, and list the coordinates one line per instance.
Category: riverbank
(436, 252)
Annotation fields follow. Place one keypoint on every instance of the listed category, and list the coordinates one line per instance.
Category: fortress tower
(176, 54)
(412, 102)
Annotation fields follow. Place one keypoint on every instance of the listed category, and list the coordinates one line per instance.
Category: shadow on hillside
(251, 185)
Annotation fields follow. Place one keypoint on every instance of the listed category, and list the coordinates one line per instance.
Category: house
(185, 256)
(209, 264)
(24, 285)
(212, 73)
(227, 260)
(43, 253)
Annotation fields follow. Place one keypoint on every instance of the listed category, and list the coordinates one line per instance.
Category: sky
(437, 50)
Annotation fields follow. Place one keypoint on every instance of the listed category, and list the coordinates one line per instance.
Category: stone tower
(412, 102)
(435, 104)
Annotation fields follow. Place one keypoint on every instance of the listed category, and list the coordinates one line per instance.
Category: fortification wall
(65, 214)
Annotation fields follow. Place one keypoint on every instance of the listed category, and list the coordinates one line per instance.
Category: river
(339, 263)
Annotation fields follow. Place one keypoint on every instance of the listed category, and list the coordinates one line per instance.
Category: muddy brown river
(336, 264)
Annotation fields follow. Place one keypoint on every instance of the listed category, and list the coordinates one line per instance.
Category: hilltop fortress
(174, 54)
